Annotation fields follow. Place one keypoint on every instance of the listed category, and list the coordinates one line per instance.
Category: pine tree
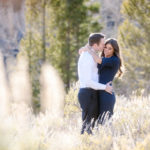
(72, 22)
(55, 30)
(134, 38)
(34, 43)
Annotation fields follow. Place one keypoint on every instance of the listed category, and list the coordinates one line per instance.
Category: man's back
(87, 67)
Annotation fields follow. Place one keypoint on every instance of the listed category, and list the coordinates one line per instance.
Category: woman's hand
(95, 56)
(89, 50)
(83, 49)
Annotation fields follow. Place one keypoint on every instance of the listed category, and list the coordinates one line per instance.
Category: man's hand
(109, 87)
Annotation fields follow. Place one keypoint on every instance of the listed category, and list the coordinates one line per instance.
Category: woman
(109, 64)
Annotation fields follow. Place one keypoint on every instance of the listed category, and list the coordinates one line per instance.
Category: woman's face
(108, 50)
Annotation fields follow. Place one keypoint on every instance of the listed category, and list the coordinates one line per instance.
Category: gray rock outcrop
(12, 28)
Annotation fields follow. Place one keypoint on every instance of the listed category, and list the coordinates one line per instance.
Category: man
(88, 79)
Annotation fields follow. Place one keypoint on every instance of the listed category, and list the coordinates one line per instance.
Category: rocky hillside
(110, 16)
(12, 27)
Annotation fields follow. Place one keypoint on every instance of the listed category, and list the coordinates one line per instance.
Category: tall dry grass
(57, 126)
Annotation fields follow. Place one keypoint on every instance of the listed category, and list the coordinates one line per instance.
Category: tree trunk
(43, 30)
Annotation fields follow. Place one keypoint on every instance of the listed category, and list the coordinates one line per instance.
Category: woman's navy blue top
(108, 69)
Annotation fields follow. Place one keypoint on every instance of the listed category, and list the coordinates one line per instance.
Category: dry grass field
(57, 126)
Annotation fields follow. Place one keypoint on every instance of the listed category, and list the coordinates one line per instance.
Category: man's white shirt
(88, 72)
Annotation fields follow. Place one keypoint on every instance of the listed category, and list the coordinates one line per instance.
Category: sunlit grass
(59, 129)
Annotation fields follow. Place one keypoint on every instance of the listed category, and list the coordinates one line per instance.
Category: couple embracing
(96, 73)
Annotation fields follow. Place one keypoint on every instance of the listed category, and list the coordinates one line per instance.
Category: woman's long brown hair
(115, 46)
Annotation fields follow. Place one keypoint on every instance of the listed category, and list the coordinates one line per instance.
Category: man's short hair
(95, 38)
